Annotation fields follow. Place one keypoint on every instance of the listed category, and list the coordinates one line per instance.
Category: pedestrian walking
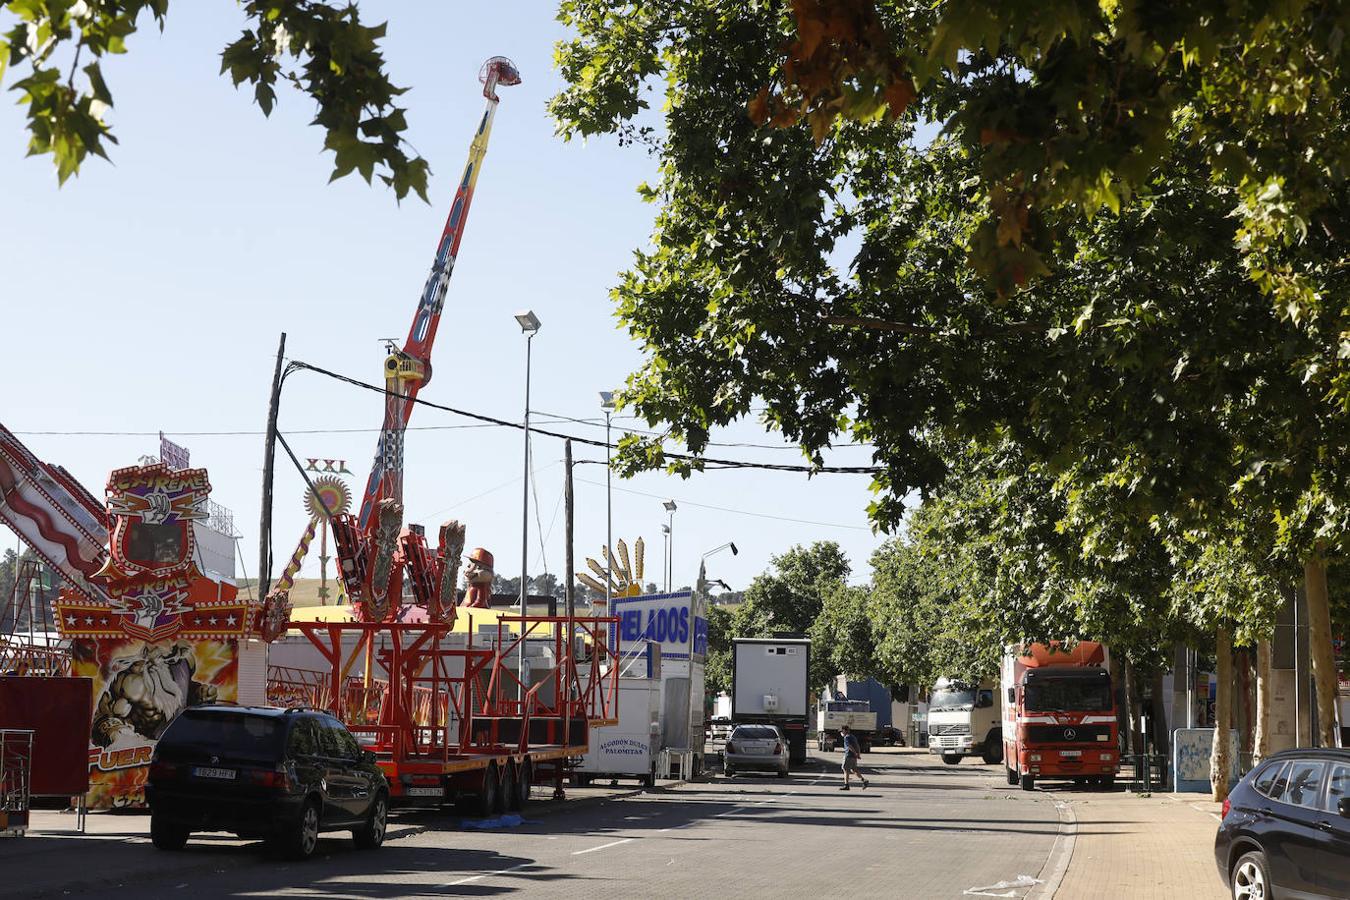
(851, 752)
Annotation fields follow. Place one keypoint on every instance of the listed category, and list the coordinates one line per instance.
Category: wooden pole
(269, 449)
(570, 587)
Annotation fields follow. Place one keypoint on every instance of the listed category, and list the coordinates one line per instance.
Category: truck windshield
(1069, 694)
(951, 698)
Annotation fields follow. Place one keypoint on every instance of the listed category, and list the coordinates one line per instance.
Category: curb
(1056, 865)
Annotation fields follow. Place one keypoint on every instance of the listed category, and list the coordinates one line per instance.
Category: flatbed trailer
(474, 741)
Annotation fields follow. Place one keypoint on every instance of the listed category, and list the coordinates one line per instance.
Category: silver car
(756, 747)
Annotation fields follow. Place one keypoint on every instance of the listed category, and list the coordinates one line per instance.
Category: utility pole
(569, 586)
(269, 449)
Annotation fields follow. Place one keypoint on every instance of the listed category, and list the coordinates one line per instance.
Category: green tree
(1070, 105)
(321, 49)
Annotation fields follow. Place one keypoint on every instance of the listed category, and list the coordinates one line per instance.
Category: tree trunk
(1319, 648)
(1242, 702)
(1223, 676)
(1261, 740)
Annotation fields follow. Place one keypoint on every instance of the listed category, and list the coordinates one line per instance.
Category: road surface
(921, 830)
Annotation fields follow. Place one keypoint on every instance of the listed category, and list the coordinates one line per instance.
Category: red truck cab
(1059, 715)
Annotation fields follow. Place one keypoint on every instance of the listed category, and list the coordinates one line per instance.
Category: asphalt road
(921, 830)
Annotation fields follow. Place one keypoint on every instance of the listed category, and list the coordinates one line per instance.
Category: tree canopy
(321, 49)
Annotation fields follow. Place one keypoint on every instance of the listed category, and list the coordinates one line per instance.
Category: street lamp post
(670, 543)
(607, 404)
(529, 326)
(696, 602)
(665, 558)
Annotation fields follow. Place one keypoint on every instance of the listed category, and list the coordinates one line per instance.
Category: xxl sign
(664, 619)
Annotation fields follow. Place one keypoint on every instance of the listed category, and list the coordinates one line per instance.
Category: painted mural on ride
(160, 635)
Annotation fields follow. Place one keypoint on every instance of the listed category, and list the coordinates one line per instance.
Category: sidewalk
(1142, 847)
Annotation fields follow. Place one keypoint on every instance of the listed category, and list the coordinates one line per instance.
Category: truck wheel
(1108, 782)
(951, 759)
(820, 743)
(1011, 773)
(992, 754)
(1028, 782)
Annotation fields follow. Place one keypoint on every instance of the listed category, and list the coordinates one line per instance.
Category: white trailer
(769, 684)
(630, 748)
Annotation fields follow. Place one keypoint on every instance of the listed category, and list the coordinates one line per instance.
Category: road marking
(601, 847)
(473, 878)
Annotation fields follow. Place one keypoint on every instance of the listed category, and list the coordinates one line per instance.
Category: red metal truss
(444, 703)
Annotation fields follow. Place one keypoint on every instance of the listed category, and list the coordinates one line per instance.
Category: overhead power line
(710, 462)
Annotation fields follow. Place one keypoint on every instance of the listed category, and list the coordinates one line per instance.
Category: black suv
(1286, 828)
(283, 775)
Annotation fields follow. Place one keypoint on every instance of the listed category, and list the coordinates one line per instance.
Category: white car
(756, 747)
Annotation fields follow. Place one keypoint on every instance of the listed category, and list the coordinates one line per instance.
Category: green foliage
(320, 48)
(1151, 182)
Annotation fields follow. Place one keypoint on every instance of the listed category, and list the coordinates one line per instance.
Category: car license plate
(426, 792)
(208, 772)
(1071, 753)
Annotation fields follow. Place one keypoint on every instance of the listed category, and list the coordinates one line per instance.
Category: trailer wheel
(506, 791)
(485, 801)
(649, 780)
(524, 781)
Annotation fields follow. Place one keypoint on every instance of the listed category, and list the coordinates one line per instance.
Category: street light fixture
(529, 326)
(670, 541)
(607, 404)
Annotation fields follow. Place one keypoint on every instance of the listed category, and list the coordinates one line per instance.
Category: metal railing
(16, 768)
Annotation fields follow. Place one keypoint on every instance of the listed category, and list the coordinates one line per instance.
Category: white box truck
(769, 685)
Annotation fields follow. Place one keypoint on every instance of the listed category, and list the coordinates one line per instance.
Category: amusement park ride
(450, 716)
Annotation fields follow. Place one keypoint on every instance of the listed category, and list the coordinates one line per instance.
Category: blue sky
(148, 295)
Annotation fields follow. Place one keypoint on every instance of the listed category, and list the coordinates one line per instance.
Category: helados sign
(665, 619)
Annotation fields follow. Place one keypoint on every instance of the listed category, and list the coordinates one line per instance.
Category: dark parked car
(282, 775)
(1286, 828)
